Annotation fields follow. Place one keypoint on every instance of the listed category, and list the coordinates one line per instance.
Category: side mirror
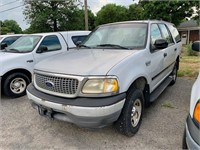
(78, 43)
(3, 46)
(196, 46)
(42, 49)
(161, 44)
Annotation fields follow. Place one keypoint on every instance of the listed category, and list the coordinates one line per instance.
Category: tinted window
(155, 34)
(175, 33)
(81, 38)
(10, 40)
(166, 34)
(51, 42)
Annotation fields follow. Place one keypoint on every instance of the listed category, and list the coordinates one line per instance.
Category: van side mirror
(42, 49)
(196, 46)
(161, 44)
(3, 46)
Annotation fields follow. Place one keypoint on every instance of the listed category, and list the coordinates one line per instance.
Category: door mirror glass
(161, 44)
(3, 46)
(42, 49)
(196, 46)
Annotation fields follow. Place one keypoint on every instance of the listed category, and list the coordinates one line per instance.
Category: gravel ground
(163, 123)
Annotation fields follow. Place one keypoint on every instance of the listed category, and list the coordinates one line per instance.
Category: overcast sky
(17, 15)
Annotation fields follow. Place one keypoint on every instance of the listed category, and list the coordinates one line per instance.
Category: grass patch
(189, 65)
(168, 104)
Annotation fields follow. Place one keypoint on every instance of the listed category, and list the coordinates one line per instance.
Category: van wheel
(15, 85)
(173, 75)
(131, 115)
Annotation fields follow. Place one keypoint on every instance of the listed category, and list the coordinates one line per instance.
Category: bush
(190, 52)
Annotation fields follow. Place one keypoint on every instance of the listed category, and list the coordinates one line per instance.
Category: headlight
(100, 86)
(196, 114)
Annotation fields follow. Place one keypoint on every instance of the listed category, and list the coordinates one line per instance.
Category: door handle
(148, 63)
(29, 61)
(165, 54)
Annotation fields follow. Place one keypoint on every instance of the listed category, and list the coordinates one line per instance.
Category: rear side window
(166, 34)
(81, 38)
(10, 40)
(175, 33)
(51, 42)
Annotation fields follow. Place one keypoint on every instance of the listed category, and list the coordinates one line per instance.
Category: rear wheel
(173, 75)
(15, 85)
(131, 115)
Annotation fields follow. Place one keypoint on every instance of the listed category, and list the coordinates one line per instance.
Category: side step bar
(155, 94)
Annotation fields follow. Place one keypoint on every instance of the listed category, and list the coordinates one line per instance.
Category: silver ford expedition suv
(110, 77)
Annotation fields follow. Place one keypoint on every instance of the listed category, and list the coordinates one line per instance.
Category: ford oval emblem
(49, 84)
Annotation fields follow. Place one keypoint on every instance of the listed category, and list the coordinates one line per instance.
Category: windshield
(122, 36)
(24, 44)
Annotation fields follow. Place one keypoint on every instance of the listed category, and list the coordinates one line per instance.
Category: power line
(11, 8)
(9, 3)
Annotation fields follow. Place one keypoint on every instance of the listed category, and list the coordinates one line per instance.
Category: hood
(84, 61)
(7, 56)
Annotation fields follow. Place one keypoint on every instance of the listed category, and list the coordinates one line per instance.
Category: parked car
(17, 61)
(6, 40)
(117, 70)
(191, 137)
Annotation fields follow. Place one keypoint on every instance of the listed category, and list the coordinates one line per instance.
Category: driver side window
(51, 42)
(155, 34)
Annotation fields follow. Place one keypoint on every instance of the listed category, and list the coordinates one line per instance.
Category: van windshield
(122, 36)
(24, 44)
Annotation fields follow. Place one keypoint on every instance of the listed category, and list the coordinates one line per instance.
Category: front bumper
(192, 134)
(92, 116)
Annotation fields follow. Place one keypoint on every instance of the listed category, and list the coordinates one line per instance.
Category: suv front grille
(56, 85)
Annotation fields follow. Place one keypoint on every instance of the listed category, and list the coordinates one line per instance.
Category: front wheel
(15, 85)
(131, 115)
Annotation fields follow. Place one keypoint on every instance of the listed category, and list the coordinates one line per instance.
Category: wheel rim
(18, 85)
(136, 112)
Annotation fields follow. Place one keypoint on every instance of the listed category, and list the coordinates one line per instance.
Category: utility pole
(86, 15)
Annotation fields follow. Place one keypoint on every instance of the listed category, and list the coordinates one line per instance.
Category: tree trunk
(55, 27)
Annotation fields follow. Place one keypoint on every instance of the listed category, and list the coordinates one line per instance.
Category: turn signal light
(197, 112)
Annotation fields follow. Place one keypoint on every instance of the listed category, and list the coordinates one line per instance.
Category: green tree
(174, 11)
(10, 26)
(111, 13)
(135, 12)
(46, 16)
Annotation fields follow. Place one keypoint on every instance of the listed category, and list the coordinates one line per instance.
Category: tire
(15, 85)
(184, 144)
(129, 123)
(173, 75)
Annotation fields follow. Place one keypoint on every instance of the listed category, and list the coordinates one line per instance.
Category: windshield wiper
(12, 50)
(82, 45)
(113, 45)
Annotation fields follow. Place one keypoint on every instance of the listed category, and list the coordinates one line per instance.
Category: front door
(53, 46)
